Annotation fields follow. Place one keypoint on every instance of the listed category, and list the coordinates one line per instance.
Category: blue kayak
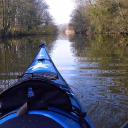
(41, 98)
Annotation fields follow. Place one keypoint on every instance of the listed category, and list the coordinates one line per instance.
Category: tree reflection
(16, 55)
(104, 63)
(79, 44)
(107, 54)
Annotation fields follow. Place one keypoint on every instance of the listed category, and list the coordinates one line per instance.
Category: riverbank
(27, 33)
(87, 33)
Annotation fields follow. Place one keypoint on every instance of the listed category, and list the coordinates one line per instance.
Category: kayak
(41, 98)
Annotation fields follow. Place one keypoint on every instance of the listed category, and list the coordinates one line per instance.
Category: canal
(96, 68)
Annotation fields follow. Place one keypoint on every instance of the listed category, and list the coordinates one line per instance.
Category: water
(95, 67)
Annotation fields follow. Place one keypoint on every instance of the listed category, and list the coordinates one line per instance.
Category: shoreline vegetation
(25, 17)
(100, 17)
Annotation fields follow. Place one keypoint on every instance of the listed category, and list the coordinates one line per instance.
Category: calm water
(96, 68)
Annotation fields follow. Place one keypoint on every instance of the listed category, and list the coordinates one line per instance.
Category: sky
(60, 10)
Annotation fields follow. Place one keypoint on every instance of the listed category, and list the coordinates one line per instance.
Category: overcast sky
(60, 10)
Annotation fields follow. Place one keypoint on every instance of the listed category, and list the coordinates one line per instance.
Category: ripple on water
(100, 92)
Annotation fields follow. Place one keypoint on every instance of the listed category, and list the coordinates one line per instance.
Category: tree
(101, 16)
(23, 16)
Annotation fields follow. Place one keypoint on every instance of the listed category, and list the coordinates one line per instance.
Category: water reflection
(95, 67)
(102, 77)
(16, 54)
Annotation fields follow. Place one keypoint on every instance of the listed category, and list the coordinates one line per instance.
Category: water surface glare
(96, 69)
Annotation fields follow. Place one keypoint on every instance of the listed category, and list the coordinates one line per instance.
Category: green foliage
(19, 17)
(100, 16)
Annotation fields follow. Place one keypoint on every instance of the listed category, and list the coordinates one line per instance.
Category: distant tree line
(62, 28)
(100, 16)
(19, 17)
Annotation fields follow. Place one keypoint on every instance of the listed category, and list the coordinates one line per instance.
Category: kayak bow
(41, 98)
